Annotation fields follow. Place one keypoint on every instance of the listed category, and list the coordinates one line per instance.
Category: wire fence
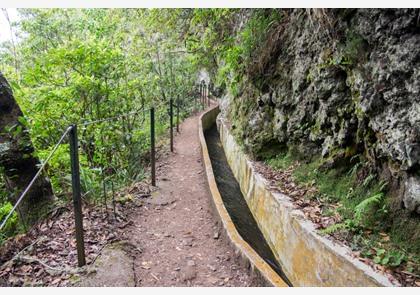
(138, 142)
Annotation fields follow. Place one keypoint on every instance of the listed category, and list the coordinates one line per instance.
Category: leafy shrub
(11, 224)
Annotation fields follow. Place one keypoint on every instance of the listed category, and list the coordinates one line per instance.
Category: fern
(354, 169)
(11, 224)
(366, 204)
(333, 228)
(382, 185)
(348, 224)
(368, 180)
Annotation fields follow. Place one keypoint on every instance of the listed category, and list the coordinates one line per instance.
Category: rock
(326, 146)
(189, 273)
(356, 91)
(114, 268)
(188, 242)
(216, 235)
(224, 104)
(160, 200)
(213, 280)
(18, 162)
(412, 195)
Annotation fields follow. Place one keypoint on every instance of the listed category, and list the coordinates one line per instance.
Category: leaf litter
(46, 255)
(301, 196)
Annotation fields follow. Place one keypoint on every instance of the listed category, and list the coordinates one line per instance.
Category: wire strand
(35, 177)
(58, 144)
(110, 118)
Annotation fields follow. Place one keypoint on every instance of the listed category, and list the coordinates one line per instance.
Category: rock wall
(17, 159)
(339, 83)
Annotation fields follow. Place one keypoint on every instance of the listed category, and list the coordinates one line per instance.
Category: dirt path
(175, 229)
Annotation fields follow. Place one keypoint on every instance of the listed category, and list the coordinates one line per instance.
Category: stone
(213, 280)
(358, 91)
(114, 268)
(411, 197)
(189, 273)
(18, 162)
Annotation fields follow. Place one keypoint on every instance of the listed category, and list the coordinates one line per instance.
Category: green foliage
(348, 54)
(355, 48)
(363, 209)
(223, 48)
(118, 62)
(58, 168)
(364, 206)
(338, 61)
(391, 258)
(280, 161)
(11, 225)
(255, 32)
(336, 227)
(3, 190)
(383, 256)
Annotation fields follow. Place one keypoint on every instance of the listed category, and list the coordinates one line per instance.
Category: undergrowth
(103, 175)
(367, 223)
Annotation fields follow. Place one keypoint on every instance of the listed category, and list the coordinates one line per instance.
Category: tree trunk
(17, 159)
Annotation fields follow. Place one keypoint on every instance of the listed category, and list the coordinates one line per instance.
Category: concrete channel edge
(306, 257)
(258, 266)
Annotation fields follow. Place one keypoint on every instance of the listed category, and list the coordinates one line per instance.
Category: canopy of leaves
(72, 66)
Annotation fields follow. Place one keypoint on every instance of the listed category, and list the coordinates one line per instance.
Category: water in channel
(235, 203)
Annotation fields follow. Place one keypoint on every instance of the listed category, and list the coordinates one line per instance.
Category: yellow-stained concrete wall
(307, 258)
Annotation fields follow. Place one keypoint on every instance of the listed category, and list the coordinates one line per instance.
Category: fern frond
(366, 204)
(382, 185)
(368, 180)
(354, 169)
(333, 228)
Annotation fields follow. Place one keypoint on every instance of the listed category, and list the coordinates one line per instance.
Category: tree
(119, 62)
(17, 161)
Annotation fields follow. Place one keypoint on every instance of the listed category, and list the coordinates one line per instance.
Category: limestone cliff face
(338, 83)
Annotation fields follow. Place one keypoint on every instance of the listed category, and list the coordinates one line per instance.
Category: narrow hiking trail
(175, 228)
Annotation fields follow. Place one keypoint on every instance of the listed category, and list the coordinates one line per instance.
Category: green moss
(351, 151)
(309, 77)
(316, 128)
(269, 150)
(281, 161)
(331, 184)
(355, 48)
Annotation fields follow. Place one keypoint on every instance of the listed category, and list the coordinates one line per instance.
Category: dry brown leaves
(397, 275)
(302, 197)
(139, 189)
(47, 256)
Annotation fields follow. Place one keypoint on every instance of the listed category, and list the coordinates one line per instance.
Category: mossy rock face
(17, 162)
(348, 88)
